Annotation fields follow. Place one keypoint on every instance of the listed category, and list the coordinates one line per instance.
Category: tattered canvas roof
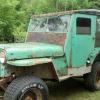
(89, 11)
(84, 11)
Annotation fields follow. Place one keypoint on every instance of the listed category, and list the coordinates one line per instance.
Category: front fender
(29, 62)
(59, 64)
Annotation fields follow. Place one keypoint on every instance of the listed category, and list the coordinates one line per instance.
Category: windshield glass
(56, 24)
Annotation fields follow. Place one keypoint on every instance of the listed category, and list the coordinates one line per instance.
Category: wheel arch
(44, 71)
(44, 68)
(97, 58)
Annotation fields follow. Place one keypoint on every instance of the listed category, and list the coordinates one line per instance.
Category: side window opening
(98, 24)
(83, 26)
(97, 40)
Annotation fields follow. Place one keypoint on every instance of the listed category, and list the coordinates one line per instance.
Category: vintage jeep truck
(57, 46)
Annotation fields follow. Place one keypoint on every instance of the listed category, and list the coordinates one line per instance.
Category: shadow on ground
(72, 89)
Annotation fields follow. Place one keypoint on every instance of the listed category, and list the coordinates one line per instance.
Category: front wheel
(92, 80)
(26, 88)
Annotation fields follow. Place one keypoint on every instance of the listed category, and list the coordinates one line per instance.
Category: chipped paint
(32, 50)
(29, 62)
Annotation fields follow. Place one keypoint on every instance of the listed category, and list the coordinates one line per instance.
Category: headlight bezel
(3, 56)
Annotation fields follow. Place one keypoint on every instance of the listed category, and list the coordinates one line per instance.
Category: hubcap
(98, 78)
(28, 98)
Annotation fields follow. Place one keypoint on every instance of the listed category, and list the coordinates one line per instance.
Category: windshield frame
(68, 16)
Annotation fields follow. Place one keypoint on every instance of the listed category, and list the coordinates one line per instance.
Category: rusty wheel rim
(33, 94)
(98, 78)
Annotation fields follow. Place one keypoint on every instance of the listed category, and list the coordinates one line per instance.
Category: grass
(72, 89)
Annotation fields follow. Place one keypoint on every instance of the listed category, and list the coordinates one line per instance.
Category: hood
(31, 50)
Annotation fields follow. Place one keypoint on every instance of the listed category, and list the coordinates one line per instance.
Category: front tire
(92, 80)
(27, 88)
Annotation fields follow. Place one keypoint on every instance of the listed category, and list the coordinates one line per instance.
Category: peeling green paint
(60, 66)
(3, 71)
(32, 50)
(29, 62)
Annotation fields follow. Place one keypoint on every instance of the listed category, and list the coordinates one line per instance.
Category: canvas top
(83, 11)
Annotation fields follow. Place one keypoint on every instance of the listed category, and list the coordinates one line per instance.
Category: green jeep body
(57, 46)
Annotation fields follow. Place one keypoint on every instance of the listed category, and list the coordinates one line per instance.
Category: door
(83, 39)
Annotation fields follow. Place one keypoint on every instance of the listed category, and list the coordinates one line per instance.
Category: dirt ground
(72, 89)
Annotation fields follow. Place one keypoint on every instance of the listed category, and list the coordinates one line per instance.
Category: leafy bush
(15, 14)
(6, 22)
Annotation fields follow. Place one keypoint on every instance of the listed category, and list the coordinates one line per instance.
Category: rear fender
(93, 55)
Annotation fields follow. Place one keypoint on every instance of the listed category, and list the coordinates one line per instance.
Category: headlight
(3, 56)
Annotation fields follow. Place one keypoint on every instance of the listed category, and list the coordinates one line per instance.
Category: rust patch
(45, 71)
(62, 72)
(4, 81)
(52, 38)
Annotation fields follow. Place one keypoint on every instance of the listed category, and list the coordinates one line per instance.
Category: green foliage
(15, 14)
(6, 21)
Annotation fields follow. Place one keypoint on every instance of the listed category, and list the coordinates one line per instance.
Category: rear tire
(27, 88)
(92, 80)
